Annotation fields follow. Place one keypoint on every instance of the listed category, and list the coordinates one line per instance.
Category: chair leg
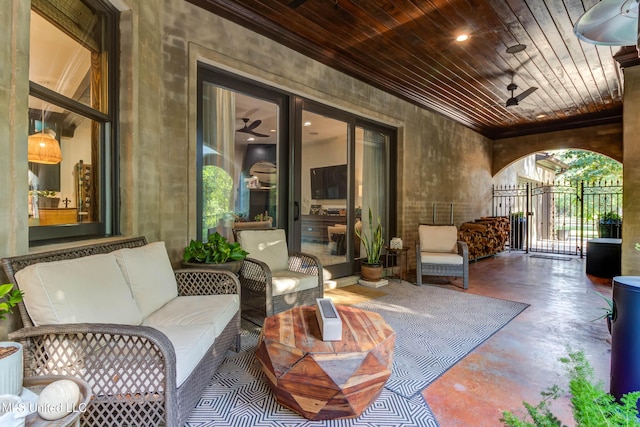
(418, 275)
(238, 343)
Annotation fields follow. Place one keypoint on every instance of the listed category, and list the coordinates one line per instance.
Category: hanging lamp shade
(44, 148)
(609, 23)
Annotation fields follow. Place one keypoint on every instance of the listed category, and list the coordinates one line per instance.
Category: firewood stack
(485, 236)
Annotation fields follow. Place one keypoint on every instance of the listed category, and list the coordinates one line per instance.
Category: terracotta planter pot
(232, 266)
(11, 369)
(371, 272)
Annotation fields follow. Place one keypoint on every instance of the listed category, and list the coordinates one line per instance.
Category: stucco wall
(631, 173)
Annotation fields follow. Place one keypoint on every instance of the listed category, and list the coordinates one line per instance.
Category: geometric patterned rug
(435, 328)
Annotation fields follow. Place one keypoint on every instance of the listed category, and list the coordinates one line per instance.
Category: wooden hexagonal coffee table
(326, 379)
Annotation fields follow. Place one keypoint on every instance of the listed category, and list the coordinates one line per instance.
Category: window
(72, 107)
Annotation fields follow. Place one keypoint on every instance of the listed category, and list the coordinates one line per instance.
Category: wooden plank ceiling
(408, 48)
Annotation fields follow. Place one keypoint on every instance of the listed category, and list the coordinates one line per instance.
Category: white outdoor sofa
(146, 338)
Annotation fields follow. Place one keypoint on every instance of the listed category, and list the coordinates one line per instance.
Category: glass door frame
(351, 265)
(212, 75)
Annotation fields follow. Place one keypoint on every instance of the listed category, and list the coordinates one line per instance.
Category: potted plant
(610, 225)
(10, 352)
(608, 311)
(47, 198)
(216, 252)
(371, 270)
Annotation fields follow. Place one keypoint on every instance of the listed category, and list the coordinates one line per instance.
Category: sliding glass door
(344, 170)
(325, 187)
(239, 155)
(270, 159)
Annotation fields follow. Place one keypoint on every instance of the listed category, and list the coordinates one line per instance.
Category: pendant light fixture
(43, 147)
(609, 23)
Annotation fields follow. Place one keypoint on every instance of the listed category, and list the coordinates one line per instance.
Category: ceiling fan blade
(260, 135)
(526, 93)
(296, 3)
(254, 125)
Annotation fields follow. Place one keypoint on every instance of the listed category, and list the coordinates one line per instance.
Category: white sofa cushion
(287, 281)
(440, 258)
(191, 343)
(148, 271)
(196, 310)
(89, 289)
(438, 238)
(268, 246)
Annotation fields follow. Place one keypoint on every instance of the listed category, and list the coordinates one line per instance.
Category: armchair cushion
(287, 281)
(440, 258)
(91, 289)
(148, 271)
(438, 238)
(268, 246)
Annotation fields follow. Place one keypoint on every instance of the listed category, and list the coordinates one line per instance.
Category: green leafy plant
(372, 242)
(608, 311)
(610, 216)
(216, 250)
(44, 193)
(9, 298)
(591, 405)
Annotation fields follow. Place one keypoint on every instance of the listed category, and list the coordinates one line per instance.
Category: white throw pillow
(90, 289)
(268, 246)
(438, 238)
(148, 271)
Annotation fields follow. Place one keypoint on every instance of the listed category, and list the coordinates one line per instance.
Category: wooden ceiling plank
(561, 13)
(535, 17)
(404, 47)
(542, 72)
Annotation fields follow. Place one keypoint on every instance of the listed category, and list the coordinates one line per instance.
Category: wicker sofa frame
(256, 281)
(457, 270)
(131, 369)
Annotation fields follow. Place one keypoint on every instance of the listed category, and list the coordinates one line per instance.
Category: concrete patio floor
(521, 359)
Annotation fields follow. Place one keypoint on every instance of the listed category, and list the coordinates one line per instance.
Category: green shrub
(591, 405)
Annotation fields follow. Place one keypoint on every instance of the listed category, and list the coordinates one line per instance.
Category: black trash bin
(625, 336)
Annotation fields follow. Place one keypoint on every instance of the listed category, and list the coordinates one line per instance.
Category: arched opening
(557, 200)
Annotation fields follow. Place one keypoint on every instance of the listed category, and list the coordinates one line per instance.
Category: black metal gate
(559, 218)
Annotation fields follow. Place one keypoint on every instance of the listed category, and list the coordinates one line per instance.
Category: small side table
(38, 383)
(397, 254)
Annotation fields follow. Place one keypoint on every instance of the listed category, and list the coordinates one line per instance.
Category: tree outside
(217, 186)
(597, 180)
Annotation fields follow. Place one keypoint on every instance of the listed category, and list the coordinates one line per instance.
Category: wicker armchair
(439, 253)
(274, 279)
(131, 368)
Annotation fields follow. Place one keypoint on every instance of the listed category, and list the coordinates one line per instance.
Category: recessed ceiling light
(273, 131)
(251, 139)
(462, 37)
(307, 123)
(539, 116)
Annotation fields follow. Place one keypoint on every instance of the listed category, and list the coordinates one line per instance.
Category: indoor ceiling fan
(249, 128)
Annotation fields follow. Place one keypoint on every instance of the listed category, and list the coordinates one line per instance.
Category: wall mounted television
(329, 182)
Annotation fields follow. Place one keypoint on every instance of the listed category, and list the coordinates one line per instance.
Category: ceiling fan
(249, 128)
(515, 100)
